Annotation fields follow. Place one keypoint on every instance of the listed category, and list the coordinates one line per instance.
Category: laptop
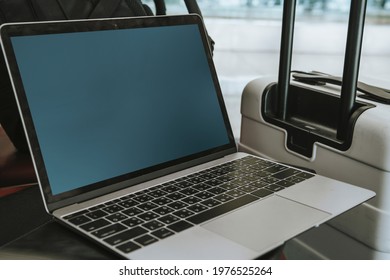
(133, 148)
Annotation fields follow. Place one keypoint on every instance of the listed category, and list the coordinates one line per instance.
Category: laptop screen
(111, 103)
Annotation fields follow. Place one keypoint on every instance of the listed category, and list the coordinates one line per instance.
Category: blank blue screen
(107, 103)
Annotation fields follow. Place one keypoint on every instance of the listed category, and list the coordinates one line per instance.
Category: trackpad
(267, 224)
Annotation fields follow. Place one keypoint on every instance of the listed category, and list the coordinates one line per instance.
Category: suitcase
(338, 132)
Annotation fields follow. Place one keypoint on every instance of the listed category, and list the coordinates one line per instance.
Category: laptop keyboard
(142, 218)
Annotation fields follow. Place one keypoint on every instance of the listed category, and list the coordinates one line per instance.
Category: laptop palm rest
(244, 233)
(262, 226)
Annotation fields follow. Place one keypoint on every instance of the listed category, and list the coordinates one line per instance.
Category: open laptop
(133, 148)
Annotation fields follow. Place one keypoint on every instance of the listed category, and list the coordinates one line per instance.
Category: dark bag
(44, 10)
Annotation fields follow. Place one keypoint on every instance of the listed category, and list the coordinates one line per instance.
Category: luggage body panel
(365, 163)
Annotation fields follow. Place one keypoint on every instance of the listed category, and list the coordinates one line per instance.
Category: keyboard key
(197, 208)
(163, 210)
(171, 189)
(180, 226)
(262, 193)
(168, 219)
(207, 176)
(204, 195)
(183, 184)
(94, 225)
(148, 216)
(276, 168)
(213, 182)
(128, 203)
(75, 214)
(125, 235)
(285, 173)
(177, 205)
(259, 184)
(305, 175)
(147, 206)
(228, 168)
(162, 201)
(116, 217)
(97, 207)
(152, 189)
(126, 197)
(270, 180)
(210, 202)
(285, 183)
(248, 188)
(221, 209)
(143, 198)
(176, 196)
(128, 247)
(265, 164)
(241, 182)
(107, 231)
(157, 193)
(274, 188)
(229, 186)
(226, 178)
(79, 220)
(132, 222)
(97, 214)
(253, 177)
(191, 200)
(146, 240)
(261, 174)
(183, 213)
(223, 197)
(235, 193)
(189, 191)
(195, 180)
(113, 208)
(295, 179)
(132, 211)
(216, 190)
(202, 187)
(162, 233)
(220, 172)
(153, 225)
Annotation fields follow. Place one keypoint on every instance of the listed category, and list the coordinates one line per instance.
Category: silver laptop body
(133, 148)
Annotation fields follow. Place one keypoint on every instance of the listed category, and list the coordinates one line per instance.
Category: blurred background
(247, 41)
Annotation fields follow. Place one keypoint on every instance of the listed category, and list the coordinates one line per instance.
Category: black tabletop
(28, 232)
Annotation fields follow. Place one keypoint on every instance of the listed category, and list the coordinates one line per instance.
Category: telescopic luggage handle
(311, 115)
(351, 62)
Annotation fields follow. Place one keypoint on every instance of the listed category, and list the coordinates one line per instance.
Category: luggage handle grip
(368, 91)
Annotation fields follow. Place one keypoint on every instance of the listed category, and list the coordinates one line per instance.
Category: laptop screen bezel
(54, 202)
